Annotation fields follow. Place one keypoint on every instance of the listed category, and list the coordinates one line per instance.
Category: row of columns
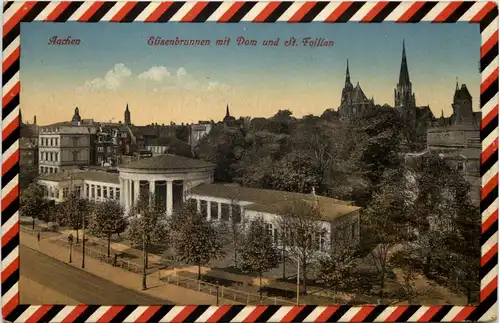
(93, 188)
(219, 209)
(130, 190)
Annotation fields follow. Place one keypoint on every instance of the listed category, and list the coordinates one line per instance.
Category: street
(78, 285)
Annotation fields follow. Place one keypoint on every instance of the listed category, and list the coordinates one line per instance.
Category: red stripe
(252, 317)
(184, 313)
(11, 59)
(110, 314)
(338, 11)
(487, 224)
(375, 11)
(397, 313)
(194, 12)
(443, 15)
(7, 308)
(10, 128)
(160, 10)
(411, 11)
(493, 114)
(11, 94)
(10, 269)
(488, 289)
(9, 163)
(429, 313)
(462, 315)
(57, 11)
(219, 313)
(362, 314)
(490, 186)
(489, 254)
(123, 11)
(292, 314)
(229, 13)
(148, 313)
(326, 314)
(489, 44)
(14, 20)
(484, 11)
(262, 16)
(303, 10)
(90, 11)
(9, 235)
(75, 313)
(10, 197)
(489, 80)
(39, 314)
(490, 150)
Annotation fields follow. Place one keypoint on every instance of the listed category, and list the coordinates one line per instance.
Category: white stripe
(9, 187)
(358, 16)
(172, 313)
(11, 293)
(290, 11)
(438, 8)
(489, 69)
(491, 275)
(489, 211)
(418, 314)
(80, 11)
(46, 12)
(327, 11)
(396, 14)
(350, 314)
(244, 312)
(490, 139)
(148, 11)
(10, 257)
(13, 81)
(254, 12)
(385, 314)
(12, 10)
(489, 105)
(27, 314)
(489, 175)
(469, 14)
(486, 247)
(280, 314)
(11, 150)
(491, 314)
(12, 47)
(452, 313)
(220, 11)
(8, 119)
(489, 31)
(183, 11)
(113, 11)
(10, 223)
(134, 316)
(63, 314)
(98, 313)
(207, 314)
(315, 314)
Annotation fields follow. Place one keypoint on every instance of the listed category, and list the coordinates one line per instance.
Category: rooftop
(165, 162)
(96, 176)
(271, 201)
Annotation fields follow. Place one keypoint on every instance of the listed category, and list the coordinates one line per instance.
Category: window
(204, 207)
(461, 166)
(65, 192)
(214, 210)
(105, 192)
(56, 140)
(269, 229)
(117, 194)
(75, 141)
(353, 231)
(50, 156)
(236, 213)
(52, 141)
(109, 149)
(75, 156)
(87, 190)
(111, 192)
(100, 149)
(225, 211)
(98, 191)
(92, 191)
(78, 191)
(322, 241)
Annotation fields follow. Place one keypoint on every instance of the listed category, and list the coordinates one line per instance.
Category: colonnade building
(175, 180)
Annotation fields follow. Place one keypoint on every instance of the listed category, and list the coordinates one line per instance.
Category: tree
(234, 230)
(258, 253)
(409, 262)
(297, 173)
(196, 240)
(305, 229)
(27, 176)
(107, 219)
(336, 269)
(33, 204)
(73, 211)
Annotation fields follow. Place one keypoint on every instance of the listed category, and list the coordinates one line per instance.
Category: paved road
(75, 283)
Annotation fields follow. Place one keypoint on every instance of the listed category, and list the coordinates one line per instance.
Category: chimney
(34, 120)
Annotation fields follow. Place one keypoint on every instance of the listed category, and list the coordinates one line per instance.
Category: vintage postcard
(249, 161)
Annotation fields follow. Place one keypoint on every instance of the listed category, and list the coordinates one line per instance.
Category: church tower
(462, 105)
(127, 116)
(346, 91)
(76, 117)
(403, 95)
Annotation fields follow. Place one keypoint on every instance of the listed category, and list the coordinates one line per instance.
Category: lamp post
(298, 280)
(83, 240)
(217, 288)
(70, 242)
(144, 287)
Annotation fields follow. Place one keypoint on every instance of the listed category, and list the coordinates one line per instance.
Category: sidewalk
(157, 288)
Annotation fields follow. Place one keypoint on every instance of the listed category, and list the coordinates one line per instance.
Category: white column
(137, 189)
(209, 211)
(122, 192)
(230, 213)
(152, 189)
(219, 210)
(170, 202)
(198, 205)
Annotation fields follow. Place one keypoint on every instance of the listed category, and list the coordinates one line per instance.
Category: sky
(113, 65)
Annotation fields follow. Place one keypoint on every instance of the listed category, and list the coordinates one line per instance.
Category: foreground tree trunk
(283, 261)
(77, 239)
(304, 278)
(147, 259)
(33, 223)
(260, 286)
(109, 245)
(199, 271)
(382, 285)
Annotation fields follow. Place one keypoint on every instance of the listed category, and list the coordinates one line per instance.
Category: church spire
(127, 119)
(227, 111)
(347, 75)
(404, 76)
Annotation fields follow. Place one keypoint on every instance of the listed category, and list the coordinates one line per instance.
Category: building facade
(354, 103)
(198, 131)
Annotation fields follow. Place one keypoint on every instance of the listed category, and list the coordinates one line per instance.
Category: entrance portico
(169, 179)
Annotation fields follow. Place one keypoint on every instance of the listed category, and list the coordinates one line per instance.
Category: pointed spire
(126, 109)
(404, 76)
(227, 111)
(442, 114)
(347, 74)
(456, 87)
